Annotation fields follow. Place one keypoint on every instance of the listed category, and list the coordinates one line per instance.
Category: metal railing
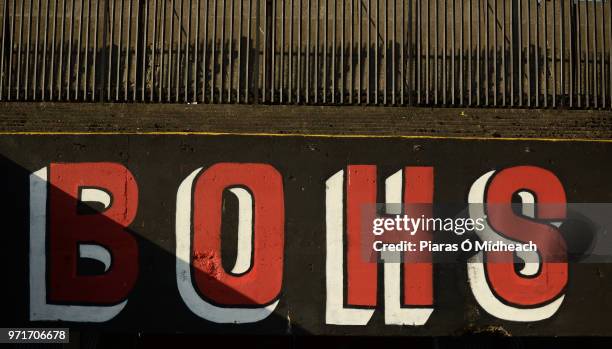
(497, 53)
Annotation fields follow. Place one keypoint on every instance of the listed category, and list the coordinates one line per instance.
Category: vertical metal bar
(240, 25)
(4, 35)
(587, 96)
(511, 64)
(479, 49)
(545, 42)
(529, 53)
(222, 59)
(427, 46)
(273, 54)
(162, 47)
(352, 58)
(486, 65)
(205, 50)
(326, 23)
(154, 52)
(308, 52)
(230, 57)
(27, 53)
(360, 48)
(368, 65)
(571, 59)
(290, 82)
(230, 78)
(299, 54)
(95, 53)
(196, 52)
(503, 56)
(248, 54)
(610, 53)
(162, 75)
(603, 56)
(265, 49)
(495, 72)
(578, 59)
(436, 52)
(144, 54)
(110, 58)
(454, 52)
(12, 39)
(376, 58)
(554, 53)
(528, 56)
(281, 74)
(88, 30)
(537, 56)
(143, 71)
(461, 70)
(5, 15)
(3, 52)
(385, 50)
(469, 77)
(403, 48)
(402, 51)
(128, 53)
(562, 50)
(187, 49)
(281, 43)
(316, 54)
(410, 54)
(61, 57)
(179, 49)
(19, 52)
(119, 52)
(420, 63)
(594, 90)
(342, 81)
(78, 62)
(36, 43)
(106, 65)
(170, 49)
(587, 75)
(52, 70)
(70, 34)
(214, 55)
(444, 55)
(520, 52)
(46, 48)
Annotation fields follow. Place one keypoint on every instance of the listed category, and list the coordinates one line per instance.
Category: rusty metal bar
(4, 36)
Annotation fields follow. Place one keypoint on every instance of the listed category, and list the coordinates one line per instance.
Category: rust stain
(206, 263)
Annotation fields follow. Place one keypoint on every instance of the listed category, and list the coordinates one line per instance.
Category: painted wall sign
(253, 234)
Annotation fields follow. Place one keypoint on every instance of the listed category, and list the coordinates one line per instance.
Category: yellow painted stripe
(303, 135)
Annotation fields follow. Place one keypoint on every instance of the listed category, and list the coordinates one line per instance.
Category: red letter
(418, 197)
(261, 284)
(361, 274)
(68, 229)
(550, 197)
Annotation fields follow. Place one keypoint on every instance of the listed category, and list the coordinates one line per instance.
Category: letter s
(536, 292)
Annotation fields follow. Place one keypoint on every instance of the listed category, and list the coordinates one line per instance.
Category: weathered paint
(286, 203)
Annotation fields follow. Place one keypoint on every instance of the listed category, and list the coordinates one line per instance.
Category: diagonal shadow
(154, 304)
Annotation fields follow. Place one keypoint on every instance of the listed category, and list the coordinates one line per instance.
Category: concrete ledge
(349, 120)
